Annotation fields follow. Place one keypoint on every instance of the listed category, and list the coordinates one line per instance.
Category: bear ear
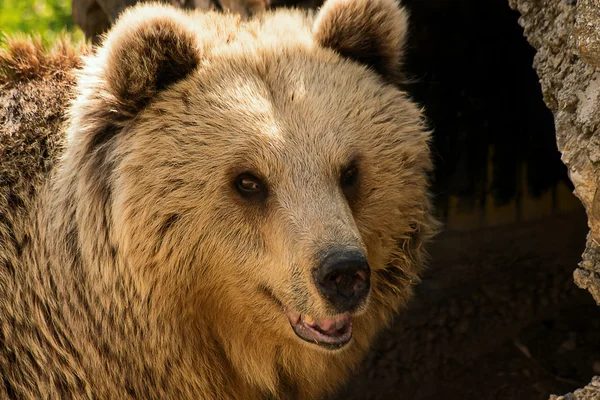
(371, 32)
(149, 48)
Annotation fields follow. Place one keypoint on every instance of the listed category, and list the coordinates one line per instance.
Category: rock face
(590, 392)
(566, 35)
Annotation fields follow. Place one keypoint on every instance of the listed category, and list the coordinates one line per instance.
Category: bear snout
(343, 279)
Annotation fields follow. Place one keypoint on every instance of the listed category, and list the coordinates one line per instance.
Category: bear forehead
(216, 30)
(280, 91)
(275, 59)
(265, 90)
(288, 105)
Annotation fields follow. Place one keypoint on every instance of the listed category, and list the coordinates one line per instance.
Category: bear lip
(331, 333)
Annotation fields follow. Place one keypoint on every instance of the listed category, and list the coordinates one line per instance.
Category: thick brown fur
(129, 264)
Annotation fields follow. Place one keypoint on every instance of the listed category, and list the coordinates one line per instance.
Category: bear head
(263, 177)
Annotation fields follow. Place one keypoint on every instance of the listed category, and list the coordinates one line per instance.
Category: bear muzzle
(343, 279)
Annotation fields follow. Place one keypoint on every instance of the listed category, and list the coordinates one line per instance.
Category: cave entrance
(494, 140)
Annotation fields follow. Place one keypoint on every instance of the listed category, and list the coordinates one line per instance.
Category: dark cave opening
(471, 69)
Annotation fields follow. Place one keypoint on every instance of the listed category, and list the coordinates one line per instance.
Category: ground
(496, 317)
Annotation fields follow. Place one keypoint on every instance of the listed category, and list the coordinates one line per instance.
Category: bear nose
(343, 278)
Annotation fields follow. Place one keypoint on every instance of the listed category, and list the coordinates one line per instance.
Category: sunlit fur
(138, 270)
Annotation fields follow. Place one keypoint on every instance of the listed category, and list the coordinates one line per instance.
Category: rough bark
(566, 35)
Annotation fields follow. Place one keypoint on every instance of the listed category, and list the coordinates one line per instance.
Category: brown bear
(225, 209)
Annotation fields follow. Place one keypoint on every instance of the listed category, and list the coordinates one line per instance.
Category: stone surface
(590, 392)
(566, 35)
(587, 31)
(567, 39)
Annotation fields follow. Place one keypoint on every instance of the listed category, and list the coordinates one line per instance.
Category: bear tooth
(309, 320)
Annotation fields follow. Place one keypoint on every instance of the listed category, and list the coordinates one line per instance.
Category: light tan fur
(136, 268)
(244, 8)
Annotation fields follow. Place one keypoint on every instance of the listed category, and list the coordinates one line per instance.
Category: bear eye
(349, 177)
(249, 185)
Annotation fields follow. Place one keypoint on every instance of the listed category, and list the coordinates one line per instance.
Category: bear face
(252, 178)
(264, 177)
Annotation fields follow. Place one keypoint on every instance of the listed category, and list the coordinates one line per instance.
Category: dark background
(472, 70)
(497, 315)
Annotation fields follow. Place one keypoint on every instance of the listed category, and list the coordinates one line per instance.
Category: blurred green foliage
(37, 17)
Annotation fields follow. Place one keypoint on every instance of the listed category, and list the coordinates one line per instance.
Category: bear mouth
(331, 333)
